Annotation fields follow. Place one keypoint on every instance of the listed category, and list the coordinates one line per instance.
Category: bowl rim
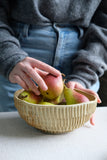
(56, 105)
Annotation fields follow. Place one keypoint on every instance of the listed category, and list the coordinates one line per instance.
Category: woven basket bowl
(56, 118)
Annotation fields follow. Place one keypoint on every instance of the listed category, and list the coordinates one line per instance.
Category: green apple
(30, 97)
(46, 103)
(73, 97)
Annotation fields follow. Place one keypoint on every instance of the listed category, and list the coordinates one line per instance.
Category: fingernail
(45, 88)
(99, 101)
(58, 73)
(38, 92)
(93, 123)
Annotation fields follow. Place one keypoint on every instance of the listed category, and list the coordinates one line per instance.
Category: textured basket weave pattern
(55, 118)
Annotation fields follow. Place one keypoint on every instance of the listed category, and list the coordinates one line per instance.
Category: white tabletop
(19, 141)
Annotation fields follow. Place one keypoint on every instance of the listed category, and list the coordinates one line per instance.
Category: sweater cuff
(76, 80)
(13, 61)
(10, 57)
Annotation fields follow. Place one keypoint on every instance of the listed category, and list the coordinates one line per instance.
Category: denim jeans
(54, 44)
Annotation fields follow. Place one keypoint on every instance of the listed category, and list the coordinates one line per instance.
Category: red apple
(55, 86)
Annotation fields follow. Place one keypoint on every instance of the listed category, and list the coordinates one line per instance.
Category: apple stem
(63, 74)
(22, 97)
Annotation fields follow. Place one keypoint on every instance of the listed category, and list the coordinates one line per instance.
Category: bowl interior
(89, 96)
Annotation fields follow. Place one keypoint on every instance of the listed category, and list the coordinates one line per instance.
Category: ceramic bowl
(56, 118)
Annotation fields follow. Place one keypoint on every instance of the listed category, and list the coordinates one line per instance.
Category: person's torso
(77, 12)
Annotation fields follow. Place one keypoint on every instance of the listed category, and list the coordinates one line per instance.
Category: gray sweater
(90, 62)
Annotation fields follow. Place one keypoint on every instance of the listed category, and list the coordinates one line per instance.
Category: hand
(31, 70)
(72, 85)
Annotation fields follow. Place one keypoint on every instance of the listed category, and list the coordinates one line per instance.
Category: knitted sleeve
(90, 62)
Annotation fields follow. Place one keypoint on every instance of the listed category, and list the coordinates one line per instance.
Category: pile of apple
(56, 94)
